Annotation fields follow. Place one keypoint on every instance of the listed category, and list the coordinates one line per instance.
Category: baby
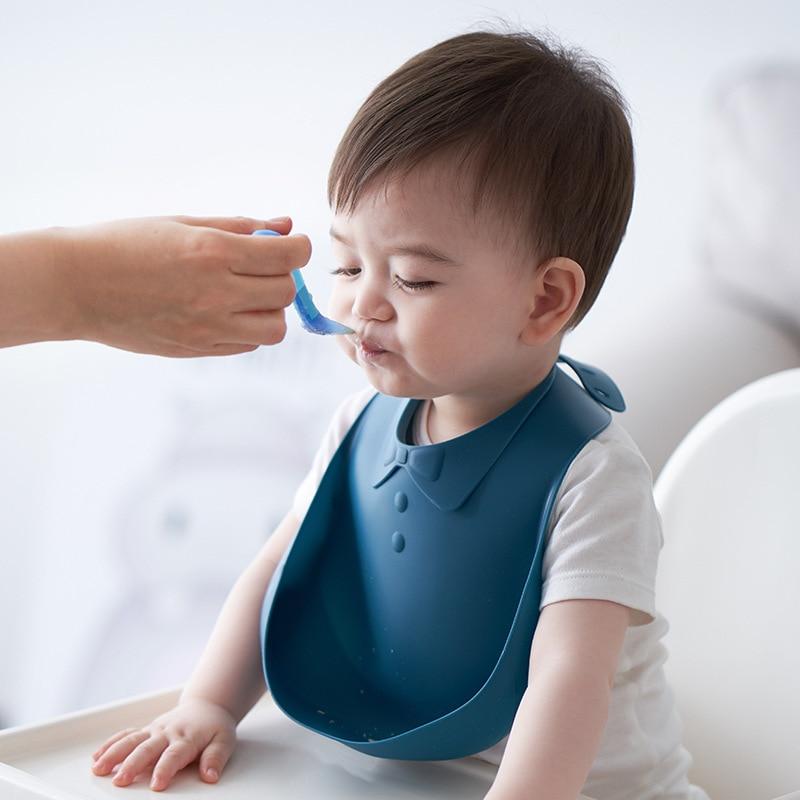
(480, 195)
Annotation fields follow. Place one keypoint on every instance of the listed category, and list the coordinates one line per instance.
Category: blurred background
(134, 489)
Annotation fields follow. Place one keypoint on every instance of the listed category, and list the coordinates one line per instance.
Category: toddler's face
(436, 303)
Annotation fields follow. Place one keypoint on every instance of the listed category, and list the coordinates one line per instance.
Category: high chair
(728, 584)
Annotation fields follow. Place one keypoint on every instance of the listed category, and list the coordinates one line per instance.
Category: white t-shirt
(604, 538)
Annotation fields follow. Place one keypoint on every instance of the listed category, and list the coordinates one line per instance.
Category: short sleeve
(605, 531)
(341, 422)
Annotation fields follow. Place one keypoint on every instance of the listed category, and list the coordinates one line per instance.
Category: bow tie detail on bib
(425, 463)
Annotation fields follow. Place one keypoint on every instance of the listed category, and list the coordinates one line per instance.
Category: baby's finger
(216, 756)
(172, 761)
(140, 759)
(111, 740)
(118, 751)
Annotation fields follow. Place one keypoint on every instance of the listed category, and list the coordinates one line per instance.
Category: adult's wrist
(35, 296)
(67, 288)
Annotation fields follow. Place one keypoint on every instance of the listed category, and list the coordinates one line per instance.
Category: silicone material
(400, 620)
(310, 317)
(597, 383)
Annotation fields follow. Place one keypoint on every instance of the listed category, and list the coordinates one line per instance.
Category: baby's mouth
(368, 348)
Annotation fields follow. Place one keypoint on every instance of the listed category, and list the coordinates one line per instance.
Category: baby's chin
(388, 383)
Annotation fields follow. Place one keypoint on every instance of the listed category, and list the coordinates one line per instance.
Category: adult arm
(172, 286)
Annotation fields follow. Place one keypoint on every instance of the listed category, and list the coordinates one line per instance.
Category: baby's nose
(371, 302)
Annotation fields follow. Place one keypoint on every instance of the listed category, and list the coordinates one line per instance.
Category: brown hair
(541, 130)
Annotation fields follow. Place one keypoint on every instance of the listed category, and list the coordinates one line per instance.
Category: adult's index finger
(280, 225)
(270, 255)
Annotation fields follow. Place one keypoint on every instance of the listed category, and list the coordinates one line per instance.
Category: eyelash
(397, 281)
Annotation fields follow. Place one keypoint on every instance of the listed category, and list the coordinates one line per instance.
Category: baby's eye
(348, 271)
(414, 286)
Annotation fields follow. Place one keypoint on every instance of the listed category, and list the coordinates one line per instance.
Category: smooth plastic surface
(596, 383)
(274, 758)
(401, 619)
(310, 317)
(728, 584)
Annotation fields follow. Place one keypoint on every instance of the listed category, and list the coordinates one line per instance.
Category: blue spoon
(310, 316)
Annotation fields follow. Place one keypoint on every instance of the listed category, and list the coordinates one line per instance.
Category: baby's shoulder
(611, 457)
(347, 413)
(353, 404)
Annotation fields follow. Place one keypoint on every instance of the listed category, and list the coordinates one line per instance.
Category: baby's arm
(225, 684)
(560, 721)
(229, 672)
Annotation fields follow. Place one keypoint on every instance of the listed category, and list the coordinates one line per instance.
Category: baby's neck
(453, 415)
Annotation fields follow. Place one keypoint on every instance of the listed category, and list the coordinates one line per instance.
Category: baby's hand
(193, 728)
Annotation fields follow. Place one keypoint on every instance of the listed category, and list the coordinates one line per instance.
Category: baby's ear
(557, 288)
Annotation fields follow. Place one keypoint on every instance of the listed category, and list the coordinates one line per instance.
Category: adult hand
(172, 286)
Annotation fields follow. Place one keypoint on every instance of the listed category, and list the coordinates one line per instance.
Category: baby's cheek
(338, 305)
(452, 344)
(440, 358)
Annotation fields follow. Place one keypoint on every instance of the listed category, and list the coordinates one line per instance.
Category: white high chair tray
(274, 757)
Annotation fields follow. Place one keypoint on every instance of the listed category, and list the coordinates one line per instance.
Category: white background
(112, 109)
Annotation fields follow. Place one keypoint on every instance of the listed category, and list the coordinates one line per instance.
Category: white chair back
(729, 585)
